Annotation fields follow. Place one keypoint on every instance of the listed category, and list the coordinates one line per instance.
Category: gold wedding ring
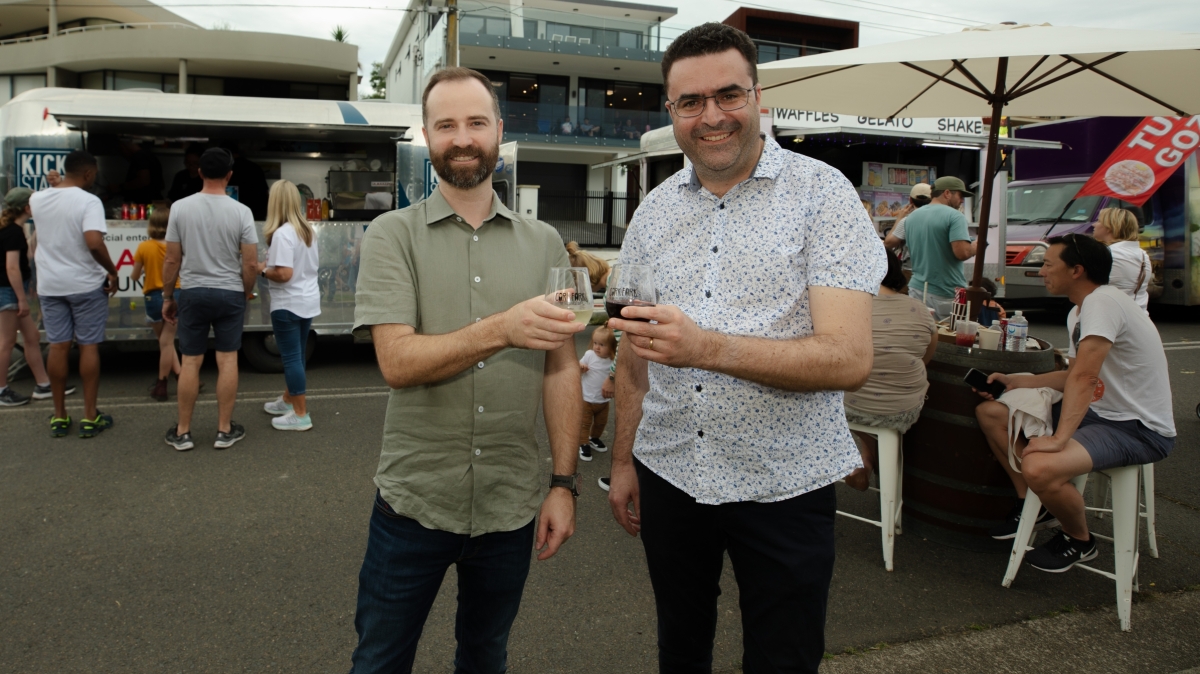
(651, 343)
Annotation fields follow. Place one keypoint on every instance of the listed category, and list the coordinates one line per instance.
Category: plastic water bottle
(1018, 331)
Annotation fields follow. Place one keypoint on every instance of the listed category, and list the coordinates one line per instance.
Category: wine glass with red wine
(630, 285)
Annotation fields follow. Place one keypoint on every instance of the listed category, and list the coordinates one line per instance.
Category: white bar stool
(890, 487)
(1126, 518)
(1101, 493)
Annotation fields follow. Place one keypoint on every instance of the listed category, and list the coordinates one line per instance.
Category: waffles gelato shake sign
(1147, 157)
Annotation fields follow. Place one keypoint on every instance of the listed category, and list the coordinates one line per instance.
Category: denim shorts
(80, 317)
(202, 308)
(154, 306)
(1113, 444)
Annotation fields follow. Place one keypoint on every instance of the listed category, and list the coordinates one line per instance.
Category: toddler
(595, 365)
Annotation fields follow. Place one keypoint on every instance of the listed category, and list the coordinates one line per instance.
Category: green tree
(339, 34)
(378, 81)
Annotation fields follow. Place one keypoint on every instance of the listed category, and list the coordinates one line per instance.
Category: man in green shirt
(450, 290)
(938, 242)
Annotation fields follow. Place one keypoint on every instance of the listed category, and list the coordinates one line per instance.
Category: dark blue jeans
(291, 335)
(401, 573)
(782, 556)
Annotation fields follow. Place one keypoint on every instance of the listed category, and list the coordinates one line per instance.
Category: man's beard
(465, 177)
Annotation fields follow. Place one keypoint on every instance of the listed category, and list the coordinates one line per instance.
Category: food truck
(352, 161)
(1041, 204)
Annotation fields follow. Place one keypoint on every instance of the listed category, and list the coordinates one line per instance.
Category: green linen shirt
(459, 455)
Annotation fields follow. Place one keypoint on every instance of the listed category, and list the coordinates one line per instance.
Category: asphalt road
(119, 554)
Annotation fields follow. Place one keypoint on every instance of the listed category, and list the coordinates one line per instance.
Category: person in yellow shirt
(149, 258)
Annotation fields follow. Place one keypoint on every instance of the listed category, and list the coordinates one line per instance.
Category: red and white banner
(1146, 158)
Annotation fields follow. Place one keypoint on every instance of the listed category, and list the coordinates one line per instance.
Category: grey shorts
(1113, 444)
(80, 317)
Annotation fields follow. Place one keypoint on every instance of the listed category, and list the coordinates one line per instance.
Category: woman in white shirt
(291, 267)
(1131, 273)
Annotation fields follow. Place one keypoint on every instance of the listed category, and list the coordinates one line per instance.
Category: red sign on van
(1146, 158)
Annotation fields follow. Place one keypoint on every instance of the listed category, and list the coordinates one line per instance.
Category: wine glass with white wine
(571, 288)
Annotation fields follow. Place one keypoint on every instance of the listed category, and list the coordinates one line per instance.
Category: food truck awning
(949, 139)
(195, 116)
(629, 159)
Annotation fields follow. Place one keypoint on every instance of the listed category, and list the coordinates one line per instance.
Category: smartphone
(979, 381)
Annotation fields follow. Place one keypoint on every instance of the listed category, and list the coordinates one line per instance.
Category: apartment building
(115, 45)
(578, 81)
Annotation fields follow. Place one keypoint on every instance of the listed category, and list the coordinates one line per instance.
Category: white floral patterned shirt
(742, 265)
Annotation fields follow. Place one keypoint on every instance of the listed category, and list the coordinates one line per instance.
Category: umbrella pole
(975, 293)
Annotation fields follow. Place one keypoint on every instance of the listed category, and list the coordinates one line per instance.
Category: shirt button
(481, 408)
(722, 206)
(458, 218)
(477, 279)
(700, 433)
(699, 388)
(475, 237)
(480, 366)
(477, 452)
(478, 319)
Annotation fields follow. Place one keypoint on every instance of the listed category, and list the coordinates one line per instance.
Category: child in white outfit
(595, 365)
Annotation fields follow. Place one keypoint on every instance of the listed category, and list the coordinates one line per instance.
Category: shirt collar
(437, 209)
(770, 163)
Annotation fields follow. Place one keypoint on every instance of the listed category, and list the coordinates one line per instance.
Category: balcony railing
(99, 27)
(604, 122)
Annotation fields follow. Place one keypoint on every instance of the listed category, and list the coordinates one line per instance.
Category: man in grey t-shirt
(212, 248)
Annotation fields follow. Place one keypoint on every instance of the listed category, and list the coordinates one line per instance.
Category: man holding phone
(1115, 410)
(75, 279)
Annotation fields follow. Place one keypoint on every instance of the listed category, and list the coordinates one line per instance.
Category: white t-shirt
(300, 295)
(594, 378)
(1136, 385)
(1129, 260)
(65, 265)
(211, 228)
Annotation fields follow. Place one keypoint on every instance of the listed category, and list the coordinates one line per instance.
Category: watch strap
(570, 482)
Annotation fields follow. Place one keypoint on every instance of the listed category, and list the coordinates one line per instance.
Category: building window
(5, 89)
(23, 83)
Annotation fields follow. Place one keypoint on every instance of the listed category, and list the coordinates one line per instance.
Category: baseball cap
(950, 183)
(216, 163)
(17, 197)
(920, 190)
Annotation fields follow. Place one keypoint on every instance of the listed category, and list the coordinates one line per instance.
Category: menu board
(887, 204)
(877, 175)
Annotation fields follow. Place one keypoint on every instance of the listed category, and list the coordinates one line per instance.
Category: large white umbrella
(1016, 70)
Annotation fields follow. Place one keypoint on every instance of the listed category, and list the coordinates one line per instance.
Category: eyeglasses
(729, 100)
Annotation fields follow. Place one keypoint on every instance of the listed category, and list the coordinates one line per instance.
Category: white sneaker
(291, 422)
(277, 407)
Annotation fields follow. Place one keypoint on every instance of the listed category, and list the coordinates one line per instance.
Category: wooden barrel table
(954, 488)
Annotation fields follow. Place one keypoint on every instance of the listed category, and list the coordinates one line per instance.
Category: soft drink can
(1003, 333)
(960, 295)
(124, 211)
(141, 211)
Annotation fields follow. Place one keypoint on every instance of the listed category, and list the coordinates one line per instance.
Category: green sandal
(59, 426)
(90, 428)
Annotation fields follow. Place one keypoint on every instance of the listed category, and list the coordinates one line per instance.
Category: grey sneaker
(226, 440)
(10, 398)
(277, 407)
(292, 422)
(181, 442)
(41, 392)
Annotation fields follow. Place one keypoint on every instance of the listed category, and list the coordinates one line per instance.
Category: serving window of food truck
(341, 155)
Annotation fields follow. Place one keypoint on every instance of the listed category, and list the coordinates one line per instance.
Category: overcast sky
(880, 20)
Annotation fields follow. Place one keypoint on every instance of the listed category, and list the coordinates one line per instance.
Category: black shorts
(202, 308)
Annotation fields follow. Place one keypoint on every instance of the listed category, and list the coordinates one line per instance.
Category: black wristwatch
(571, 482)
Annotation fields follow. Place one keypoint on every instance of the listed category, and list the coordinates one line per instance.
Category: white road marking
(106, 404)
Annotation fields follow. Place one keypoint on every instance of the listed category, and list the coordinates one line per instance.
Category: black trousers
(782, 556)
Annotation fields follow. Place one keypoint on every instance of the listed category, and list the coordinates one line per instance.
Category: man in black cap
(212, 247)
(939, 241)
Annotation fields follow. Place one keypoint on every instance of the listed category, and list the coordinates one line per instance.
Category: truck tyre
(263, 355)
